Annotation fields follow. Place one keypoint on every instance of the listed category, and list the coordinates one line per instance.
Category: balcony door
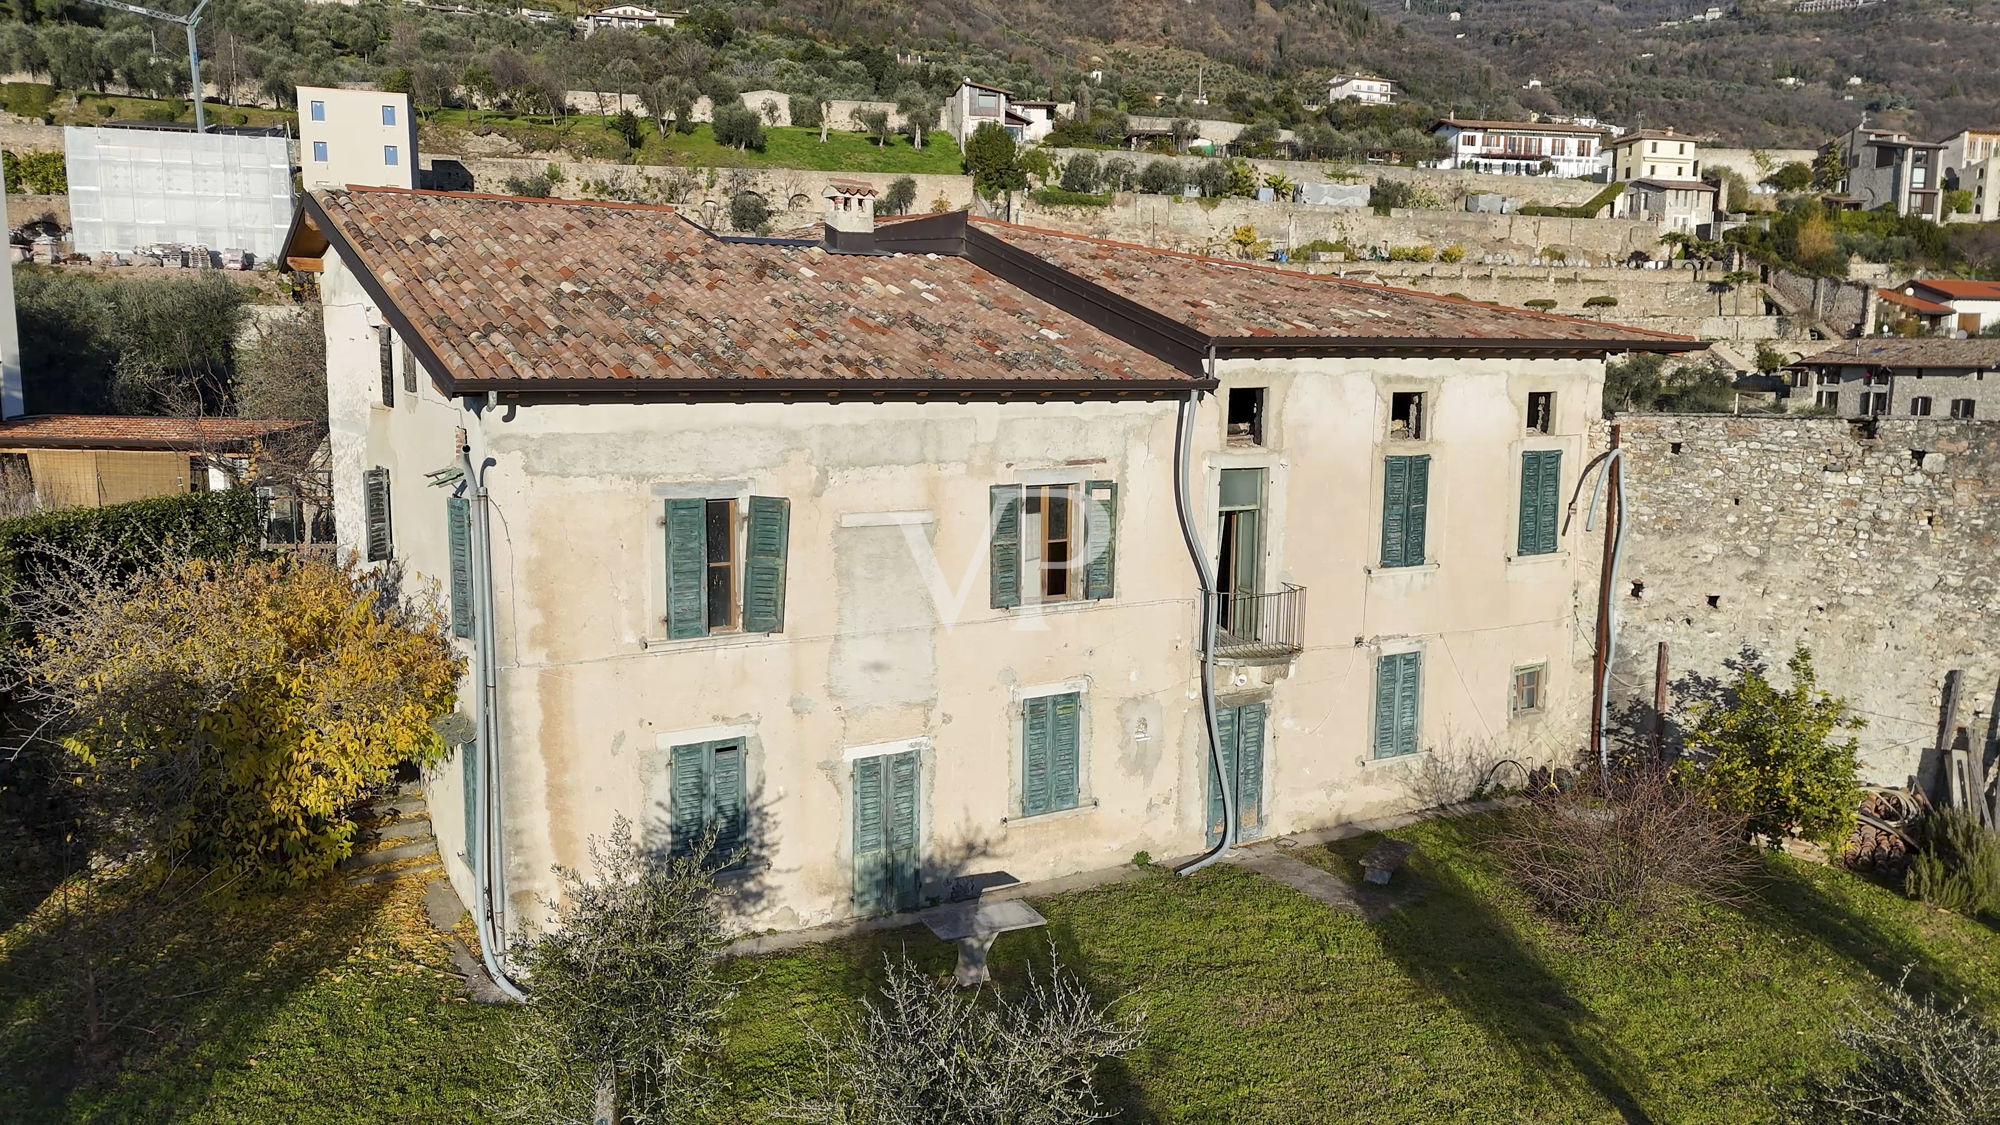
(1239, 570)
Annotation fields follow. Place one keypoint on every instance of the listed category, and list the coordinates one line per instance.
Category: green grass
(1262, 1005)
(590, 137)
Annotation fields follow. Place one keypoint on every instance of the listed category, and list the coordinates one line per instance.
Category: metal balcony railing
(1253, 627)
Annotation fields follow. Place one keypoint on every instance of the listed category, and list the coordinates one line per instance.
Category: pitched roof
(1911, 351)
(1960, 290)
(108, 431)
(1674, 185)
(1515, 126)
(498, 293)
(1916, 304)
(1648, 135)
(1243, 301)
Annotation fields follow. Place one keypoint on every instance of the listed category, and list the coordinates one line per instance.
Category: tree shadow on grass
(1493, 977)
(109, 992)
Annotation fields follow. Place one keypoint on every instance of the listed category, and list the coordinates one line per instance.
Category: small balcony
(1261, 628)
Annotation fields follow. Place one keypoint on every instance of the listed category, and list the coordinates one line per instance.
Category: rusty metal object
(1884, 838)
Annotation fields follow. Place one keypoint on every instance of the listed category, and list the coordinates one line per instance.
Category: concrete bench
(974, 925)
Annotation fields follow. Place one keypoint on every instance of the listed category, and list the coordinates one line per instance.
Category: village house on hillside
(1917, 377)
(1653, 154)
(1886, 168)
(1368, 89)
(883, 553)
(1974, 305)
(1521, 148)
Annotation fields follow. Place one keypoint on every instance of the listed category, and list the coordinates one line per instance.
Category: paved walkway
(1367, 903)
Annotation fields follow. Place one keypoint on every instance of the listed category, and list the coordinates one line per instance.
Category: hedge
(123, 538)
(36, 173)
(1059, 197)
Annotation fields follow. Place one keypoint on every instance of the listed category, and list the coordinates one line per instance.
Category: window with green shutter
(385, 341)
(704, 558)
(458, 536)
(1398, 696)
(707, 791)
(1541, 496)
(1406, 483)
(375, 513)
(887, 852)
(1051, 746)
(1052, 542)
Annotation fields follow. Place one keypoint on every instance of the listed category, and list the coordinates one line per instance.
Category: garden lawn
(1262, 1005)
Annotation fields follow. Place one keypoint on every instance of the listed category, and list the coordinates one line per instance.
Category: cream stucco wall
(355, 137)
(889, 638)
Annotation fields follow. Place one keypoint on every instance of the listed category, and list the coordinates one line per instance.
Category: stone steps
(413, 849)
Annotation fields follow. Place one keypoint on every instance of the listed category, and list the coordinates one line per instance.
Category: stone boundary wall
(1675, 292)
(1186, 224)
(1874, 546)
(1743, 161)
(1451, 184)
(31, 138)
(793, 194)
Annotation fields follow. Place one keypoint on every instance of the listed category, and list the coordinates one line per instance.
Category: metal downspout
(1609, 465)
(1205, 574)
(483, 848)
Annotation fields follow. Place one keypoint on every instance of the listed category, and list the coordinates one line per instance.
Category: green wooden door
(887, 857)
(1242, 732)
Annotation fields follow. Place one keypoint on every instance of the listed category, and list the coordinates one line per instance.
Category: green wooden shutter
(870, 838)
(687, 568)
(764, 565)
(458, 528)
(409, 371)
(468, 761)
(1218, 812)
(1387, 669)
(1395, 510)
(1409, 693)
(1250, 767)
(1035, 756)
(1065, 735)
(375, 502)
(902, 798)
(386, 348)
(1541, 494)
(1417, 511)
(1101, 533)
(1005, 520)
(726, 796)
(688, 793)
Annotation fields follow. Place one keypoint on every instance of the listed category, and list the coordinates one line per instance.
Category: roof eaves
(1475, 346)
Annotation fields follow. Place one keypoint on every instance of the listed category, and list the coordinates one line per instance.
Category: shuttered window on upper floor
(458, 537)
(385, 348)
(1051, 746)
(1406, 485)
(1541, 499)
(1052, 542)
(717, 581)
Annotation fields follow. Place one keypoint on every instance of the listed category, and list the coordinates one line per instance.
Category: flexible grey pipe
(1205, 574)
(482, 849)
(1615, 456)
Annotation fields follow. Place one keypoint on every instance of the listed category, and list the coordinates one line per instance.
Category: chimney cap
(848, 187)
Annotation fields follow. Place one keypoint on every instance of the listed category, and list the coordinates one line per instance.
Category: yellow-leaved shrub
(232, 712)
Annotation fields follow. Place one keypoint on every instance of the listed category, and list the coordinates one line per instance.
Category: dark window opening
(1050, 516)
(1542, 412)
(1406, 415)
(1917, 457)
(1961, 408)
(721, 526)
(1920, 406)
(1246, 416)
(1715, 601)
(1638, 589)
(1674, 448)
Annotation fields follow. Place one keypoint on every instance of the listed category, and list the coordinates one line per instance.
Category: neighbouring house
(359, 138)
(1971, 162)
(1368, 89)
(91, 460)
(1886, 168)
(1653, 154)
(1678, 205)
(1931, 318)
(974, 104)
(882, 554)
(1975, 305)
(628, 17)
(1918, 377)
(1521, 148)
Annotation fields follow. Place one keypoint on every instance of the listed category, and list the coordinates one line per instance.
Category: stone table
(974, 925)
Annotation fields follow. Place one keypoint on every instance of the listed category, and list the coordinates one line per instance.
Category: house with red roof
(1975, 305)
(92, 460)
(917, 557)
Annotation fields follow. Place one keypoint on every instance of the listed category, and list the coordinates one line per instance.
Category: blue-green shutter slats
(1395, 509)
(1249, 767)
(1386, 671)
(871, 845)
(1409, 691)
(687, 568)
(1541, 495)
(458, 528)
(1398, 700)
(688, 789)
(1004, 571)
(727, 798)
(1035, 788)
(375, 504)
(764, 564)
(1101, 538)
(1065, 721)
(1417, 511)
(1218, 811)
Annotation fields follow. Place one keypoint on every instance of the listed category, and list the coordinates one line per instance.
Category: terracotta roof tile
(1911, 351)
(1234, 300)
(108, 431)
(1960, 290)
(547, 291)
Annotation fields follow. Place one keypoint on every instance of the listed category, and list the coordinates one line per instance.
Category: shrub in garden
(1770, 756)
(232, 711)
(1163, 177)
(1619, 850)
(1539, 304)
(625, 986)
(1080, 173)
(1915, 1062)
(927, 1051)
(1453, 254)
(1959, 866)
(1601, 301)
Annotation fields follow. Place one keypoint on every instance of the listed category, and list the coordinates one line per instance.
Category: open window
(1246, 416)
(1541, 412)
(726, 573)
(1406, 416)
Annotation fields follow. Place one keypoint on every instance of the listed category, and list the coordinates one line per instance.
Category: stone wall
(1872, 546)
(31, 138)
(1743, 161)
(1452, 185)
(1189, 224)
(794, 194)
